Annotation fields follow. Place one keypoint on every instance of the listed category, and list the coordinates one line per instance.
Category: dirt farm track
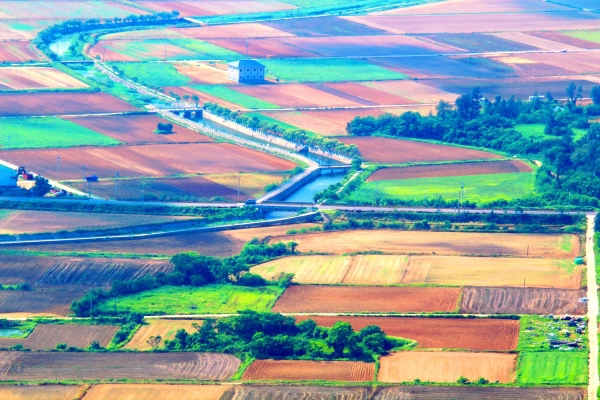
(42, 366)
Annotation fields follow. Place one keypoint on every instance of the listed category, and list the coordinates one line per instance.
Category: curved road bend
(592, 294)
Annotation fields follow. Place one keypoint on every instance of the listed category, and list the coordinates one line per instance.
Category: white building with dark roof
(246, 71)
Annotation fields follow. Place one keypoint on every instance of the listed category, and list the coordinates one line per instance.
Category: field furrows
(291, 392)
(88, 366)
(499, 300)
(38, 302)
(308, 298)
(46, 337)
(156, 392)
(476, 393)
(39, 392)
(350, 371)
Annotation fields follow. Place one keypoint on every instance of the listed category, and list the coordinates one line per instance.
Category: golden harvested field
(156, 392)
(44, 392)
(437, 270)
(202, 73)
(23, 78)
(446, 366)
(165, 328)
(276, 231)
(298, 370)
(444, 243)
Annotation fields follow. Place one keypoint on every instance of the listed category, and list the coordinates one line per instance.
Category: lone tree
(164, 128)
(595, 94)
(154, 342)
(42, 186)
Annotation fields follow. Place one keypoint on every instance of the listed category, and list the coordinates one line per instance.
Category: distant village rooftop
(246, 71)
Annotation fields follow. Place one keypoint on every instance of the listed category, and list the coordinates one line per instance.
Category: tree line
(571, 168)
(272, 335)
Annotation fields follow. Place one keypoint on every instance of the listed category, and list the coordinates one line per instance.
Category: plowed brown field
(64, 271)
(152, 160)
(480, 300)
(439, 333)
(441, 366)
(17, 221)
(156, 392)
(431, 171)
(139, 129)
(45, 392)
(295, 392)
(37, 302)
(295, 95)
(476, 393)
(384, 150)
(46, 337)
(308, 298)
(42, 366)
(24, 104)
(310, 370)
(165, 328)
(440, 243)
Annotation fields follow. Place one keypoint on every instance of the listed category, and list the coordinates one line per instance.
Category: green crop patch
(553, 368)
(209, 299)
(232, 96)
(154, 74)
(590, 36)
(328, 70)
(31, 133)
(536, 131)
(477, 188)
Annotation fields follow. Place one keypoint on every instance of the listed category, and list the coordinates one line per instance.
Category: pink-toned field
(384, 150)
(296, 95)
(17, 52)
(65, 9)
(151, 160)
(457, 23)
(475, 7)
(25, 104)
(370, 94)
(21, 78)
(203, 73)
(533, 40)
(233, 31)
(139, 129)
(439, 170)
(48, 336)
(215, 7)
(413, 91)
(575, 62)
(265, 48)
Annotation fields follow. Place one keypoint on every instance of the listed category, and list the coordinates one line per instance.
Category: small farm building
(7, 177)
(246, 71)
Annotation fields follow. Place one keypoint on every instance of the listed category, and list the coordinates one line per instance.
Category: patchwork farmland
(490, 295)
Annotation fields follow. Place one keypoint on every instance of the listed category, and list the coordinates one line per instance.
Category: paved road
(592, 294)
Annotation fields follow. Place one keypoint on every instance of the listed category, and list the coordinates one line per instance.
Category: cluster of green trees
(272, 335)
(52, 33)
(194, 269)
(293, 135)
(571, 169)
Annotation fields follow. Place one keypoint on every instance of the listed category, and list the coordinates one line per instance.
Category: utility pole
(58, 167)
(246, 47)
(116, 185)
(84, 173)
(462, 191)
(239, 183)
(376, 192)
(143, 191)
(89, 191)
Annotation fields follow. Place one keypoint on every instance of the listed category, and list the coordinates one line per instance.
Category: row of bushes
(299, 136)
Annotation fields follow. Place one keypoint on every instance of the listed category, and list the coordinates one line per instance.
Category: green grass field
(552, 368)
(590, 36)
(478, 188)
(217, 299)
(328, 70)
(230, 95)
(154, 74)
(537, 131)
(177, 49)
(31, 133)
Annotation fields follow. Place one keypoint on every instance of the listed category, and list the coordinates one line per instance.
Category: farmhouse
(246, 71)
(7, 177)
